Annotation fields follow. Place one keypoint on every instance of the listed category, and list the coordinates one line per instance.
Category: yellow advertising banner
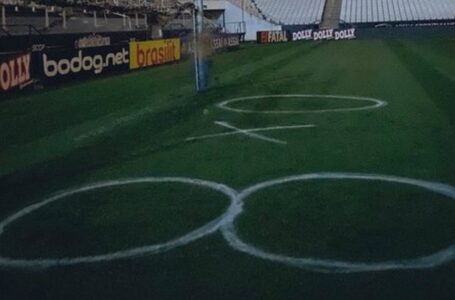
(152, 53)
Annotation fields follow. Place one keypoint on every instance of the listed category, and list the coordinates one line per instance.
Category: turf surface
(135, 125)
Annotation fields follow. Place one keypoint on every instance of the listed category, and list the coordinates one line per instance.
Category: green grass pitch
(152, 124)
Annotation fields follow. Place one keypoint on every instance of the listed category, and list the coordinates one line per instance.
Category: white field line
(330, 265)
(226, 222)
(376, 103)
(250, 134)
(115, 122)
(109, 126)
(208, 136)
(198, 233)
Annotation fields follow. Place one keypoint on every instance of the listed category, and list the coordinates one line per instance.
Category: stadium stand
(73, 24)
(331, 15)
(25, 17)
(377, 11)
(250, 7)
(291, 12)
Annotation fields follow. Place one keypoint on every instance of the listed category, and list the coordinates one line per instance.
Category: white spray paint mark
(215, 135)
(116, 122)
(376, 104)
(139, 251)
(226, 223)
(336, 266)
(249, 133)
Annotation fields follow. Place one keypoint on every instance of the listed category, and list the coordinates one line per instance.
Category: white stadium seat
(292, 12)
(363, 11)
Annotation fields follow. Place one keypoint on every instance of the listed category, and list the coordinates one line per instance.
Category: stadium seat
(291, 12)
(375, 11)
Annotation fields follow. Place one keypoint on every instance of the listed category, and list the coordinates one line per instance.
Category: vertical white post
(124, 21)
(64, 18)
(136, 15)
(46, 18)
(195, 49)
(243, 11)
(95, 23)
(105, 18)
(3, 17)
(200, 16)
(145, 21)
(199, 61)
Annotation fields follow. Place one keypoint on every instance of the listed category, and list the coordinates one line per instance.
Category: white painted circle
(198, 233)
(372, 103)
(336, 266)
(226, 223)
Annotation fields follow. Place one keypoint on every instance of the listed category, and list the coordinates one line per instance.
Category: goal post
(200, 61)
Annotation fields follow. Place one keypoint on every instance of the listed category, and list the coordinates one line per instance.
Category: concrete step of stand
(331, 15)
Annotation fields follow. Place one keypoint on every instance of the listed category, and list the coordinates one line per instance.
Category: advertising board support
(64, 18)
(95, 20)
(3, 17)
(46, 18)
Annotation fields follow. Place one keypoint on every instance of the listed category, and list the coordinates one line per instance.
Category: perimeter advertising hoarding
(153, 53)
(225, 41)
(17, 43)
(15, 72)
(218, 43)
(325, 34)
(92, 40)
(268, 37)
(55, 65)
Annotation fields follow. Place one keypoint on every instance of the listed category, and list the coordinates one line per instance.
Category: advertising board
(153, 53)
(225, 41)
(268, 37)
(326, 34)
(218, 43)
(64, 64)
(15, 72)
(93, 40)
